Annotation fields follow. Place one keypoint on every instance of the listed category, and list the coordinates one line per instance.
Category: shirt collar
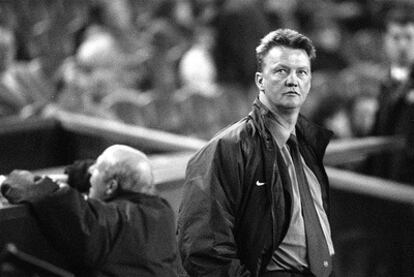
(399, 73)
(279, 132)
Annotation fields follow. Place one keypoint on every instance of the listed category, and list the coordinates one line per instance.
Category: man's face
(399, 43)
(285, 78)
(97, 179)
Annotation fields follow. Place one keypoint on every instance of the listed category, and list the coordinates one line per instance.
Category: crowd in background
(184, 66)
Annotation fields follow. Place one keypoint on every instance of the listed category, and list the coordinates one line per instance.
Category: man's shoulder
(140, 198)
(241, 130)
(234, 136)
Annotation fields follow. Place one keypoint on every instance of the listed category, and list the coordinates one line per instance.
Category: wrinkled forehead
(287, 55)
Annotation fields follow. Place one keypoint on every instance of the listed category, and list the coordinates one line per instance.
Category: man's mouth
(292, 92)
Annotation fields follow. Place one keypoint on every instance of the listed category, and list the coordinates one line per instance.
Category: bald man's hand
(78, 175)
(22, 186)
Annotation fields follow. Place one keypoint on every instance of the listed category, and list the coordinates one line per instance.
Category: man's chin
(293, 104)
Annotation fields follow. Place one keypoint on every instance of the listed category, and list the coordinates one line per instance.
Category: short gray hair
(283, 37)
(129, 177)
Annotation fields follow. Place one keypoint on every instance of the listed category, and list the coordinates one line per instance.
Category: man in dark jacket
(245, 208)
(122, 229)
(238, 25)
(395, 115)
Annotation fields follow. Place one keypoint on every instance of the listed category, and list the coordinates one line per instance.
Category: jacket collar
(313, 135)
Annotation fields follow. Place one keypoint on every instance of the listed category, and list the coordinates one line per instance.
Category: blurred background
(187, 67)
(183, 66)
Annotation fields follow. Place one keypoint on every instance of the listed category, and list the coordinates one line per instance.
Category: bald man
(120, 229)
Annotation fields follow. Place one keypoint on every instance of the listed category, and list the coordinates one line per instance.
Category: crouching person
(120, 229)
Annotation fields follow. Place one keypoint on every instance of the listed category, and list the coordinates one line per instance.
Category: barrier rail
(15, 124)
(170, 167)
(352, 150)
(338, 151)
(367, 185)
(124, 133)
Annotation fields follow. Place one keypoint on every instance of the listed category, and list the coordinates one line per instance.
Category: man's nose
(292, 80)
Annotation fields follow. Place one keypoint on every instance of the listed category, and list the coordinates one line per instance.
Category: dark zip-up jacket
(229, 222)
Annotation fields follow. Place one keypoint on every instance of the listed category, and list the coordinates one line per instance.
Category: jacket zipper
(259, 264)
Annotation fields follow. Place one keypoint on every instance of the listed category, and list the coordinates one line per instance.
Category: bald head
(121, 167)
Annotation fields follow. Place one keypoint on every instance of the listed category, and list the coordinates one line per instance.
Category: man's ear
(111, 187)
(259, 81)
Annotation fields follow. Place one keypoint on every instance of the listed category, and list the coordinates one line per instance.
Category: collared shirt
(399, 73)
(291, 253)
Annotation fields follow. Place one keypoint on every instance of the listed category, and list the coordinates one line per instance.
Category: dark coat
(239, 25)
(228, 225)
(131, 235)
(395, 116)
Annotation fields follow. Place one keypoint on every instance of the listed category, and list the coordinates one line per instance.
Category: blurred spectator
(362, 114)
(168, 30)
(11, 101)
(128, 107)
(354, 15)
(281, 13)
(83, 89)
(99, 56)
(327, 36)
(331, 112)
(111, 47)
(167, 48)
(395, 114)
(362, 46)
(238, 26)
(30, 85)
(360, 79)
(109, 60)
(44, 34)
(197, 69)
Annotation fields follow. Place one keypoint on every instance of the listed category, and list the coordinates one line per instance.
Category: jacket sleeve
(207, 216)
(82, 229)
